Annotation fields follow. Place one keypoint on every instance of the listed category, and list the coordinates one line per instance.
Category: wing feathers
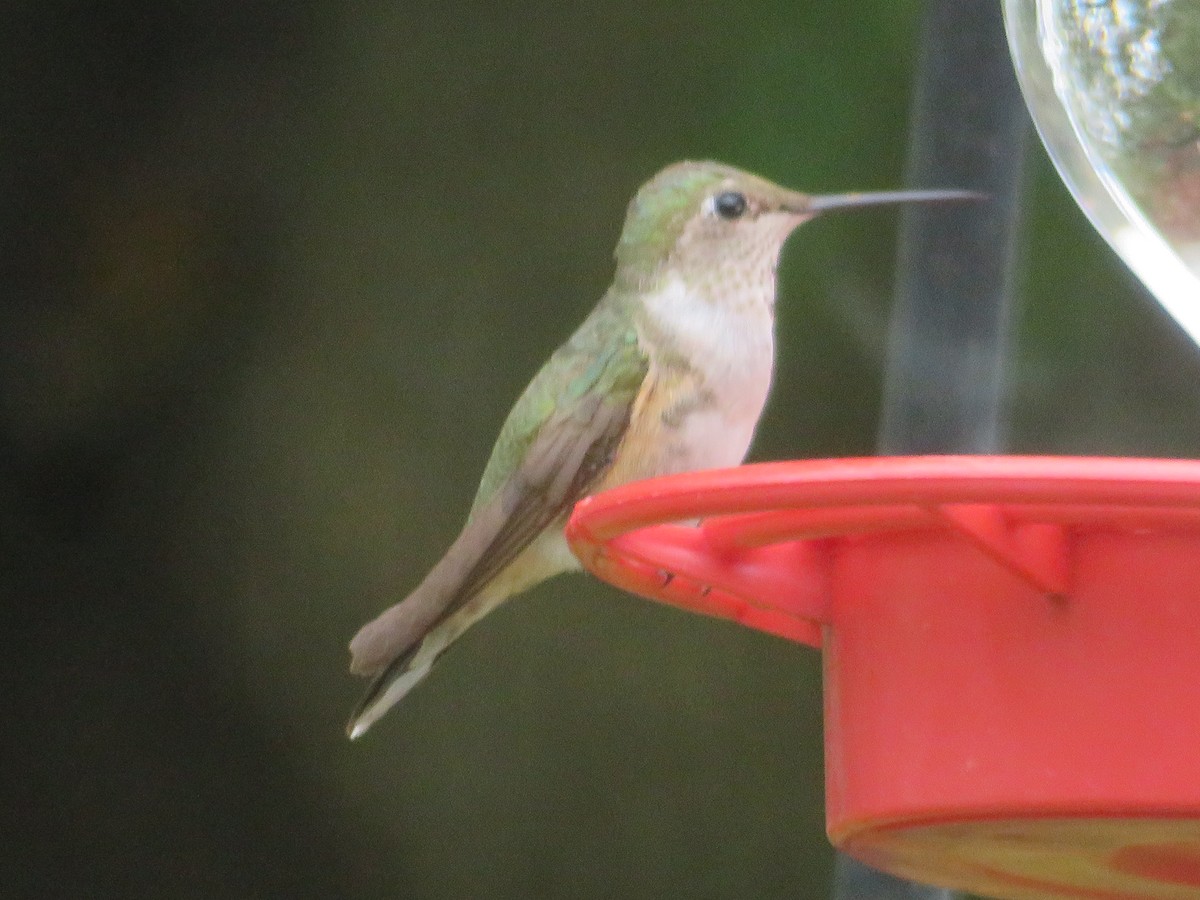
(400, 626)
(570, 451)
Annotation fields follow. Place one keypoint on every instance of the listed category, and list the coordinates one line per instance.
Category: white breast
(730, 341)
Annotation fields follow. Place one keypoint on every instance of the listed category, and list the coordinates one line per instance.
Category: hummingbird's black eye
(730, 205)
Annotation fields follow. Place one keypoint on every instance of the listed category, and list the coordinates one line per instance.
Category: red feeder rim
(743, 561)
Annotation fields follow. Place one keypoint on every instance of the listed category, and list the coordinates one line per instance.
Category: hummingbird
(669, 373)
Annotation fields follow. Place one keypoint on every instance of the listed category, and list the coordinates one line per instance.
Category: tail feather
(400, 629)
(399, 676)
(389, 688)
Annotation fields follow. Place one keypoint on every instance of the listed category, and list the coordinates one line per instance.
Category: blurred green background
(273, 275)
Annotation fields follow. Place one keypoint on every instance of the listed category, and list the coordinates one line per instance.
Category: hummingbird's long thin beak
(825, 202)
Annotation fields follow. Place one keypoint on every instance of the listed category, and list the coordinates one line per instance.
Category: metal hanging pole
(948, 340)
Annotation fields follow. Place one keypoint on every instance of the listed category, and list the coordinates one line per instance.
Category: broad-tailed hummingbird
(669, 373)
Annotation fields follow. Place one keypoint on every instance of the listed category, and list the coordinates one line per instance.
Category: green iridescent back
(602, 356)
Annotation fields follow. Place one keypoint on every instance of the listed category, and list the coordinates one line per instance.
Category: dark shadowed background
(272, 276)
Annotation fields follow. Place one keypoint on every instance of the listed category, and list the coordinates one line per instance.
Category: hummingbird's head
(714, 224)
(707, 217)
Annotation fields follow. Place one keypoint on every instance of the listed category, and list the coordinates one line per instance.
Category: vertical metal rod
(948, 340)
(854, 881)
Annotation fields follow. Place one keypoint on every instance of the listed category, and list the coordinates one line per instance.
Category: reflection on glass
(1114, 87)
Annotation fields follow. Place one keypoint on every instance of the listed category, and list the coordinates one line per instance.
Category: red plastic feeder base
(1011, 650)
